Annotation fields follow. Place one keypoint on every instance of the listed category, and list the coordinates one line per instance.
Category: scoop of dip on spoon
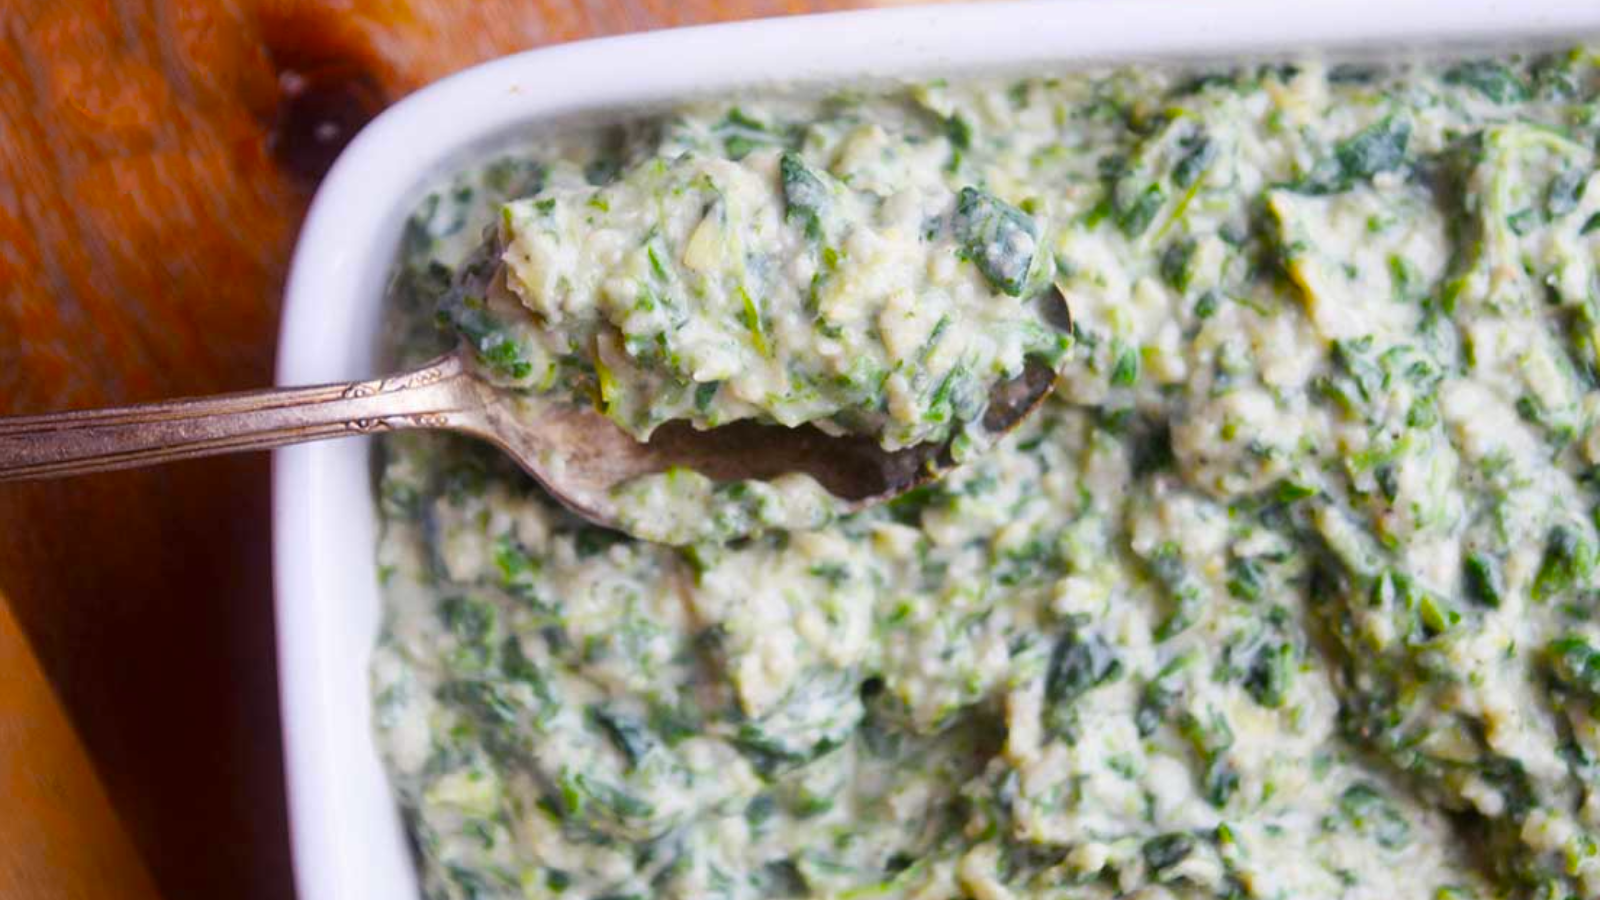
(891, 330)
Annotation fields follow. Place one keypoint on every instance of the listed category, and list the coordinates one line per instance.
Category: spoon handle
(440, 394)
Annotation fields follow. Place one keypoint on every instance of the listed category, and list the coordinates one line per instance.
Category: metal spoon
(576, 453)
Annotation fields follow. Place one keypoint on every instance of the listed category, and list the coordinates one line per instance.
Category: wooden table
(155, 159)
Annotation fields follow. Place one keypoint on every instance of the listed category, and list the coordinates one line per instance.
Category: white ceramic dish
(348, 839)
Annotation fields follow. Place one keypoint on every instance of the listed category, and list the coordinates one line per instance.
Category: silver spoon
(576, 453)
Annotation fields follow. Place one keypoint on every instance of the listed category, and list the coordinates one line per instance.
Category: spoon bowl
(581, 457)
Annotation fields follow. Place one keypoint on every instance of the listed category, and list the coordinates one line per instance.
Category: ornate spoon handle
(441, 394)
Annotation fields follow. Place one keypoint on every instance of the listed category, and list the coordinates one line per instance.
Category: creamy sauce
(1290, 593)
(886, 302)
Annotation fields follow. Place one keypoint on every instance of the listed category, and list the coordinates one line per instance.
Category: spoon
(575, 452)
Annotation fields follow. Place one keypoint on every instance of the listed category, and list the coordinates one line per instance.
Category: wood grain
(70, 846)
(155, 159)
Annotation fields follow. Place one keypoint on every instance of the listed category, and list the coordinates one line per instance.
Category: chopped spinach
(806, 198)
(998, 237)
(1492, 79)
(1380, 147)
(1369, 812)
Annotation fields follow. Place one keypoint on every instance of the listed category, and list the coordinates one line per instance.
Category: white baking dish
(347, 836)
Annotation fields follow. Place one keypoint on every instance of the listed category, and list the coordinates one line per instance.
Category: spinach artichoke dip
(713, 289)
(1290, 590)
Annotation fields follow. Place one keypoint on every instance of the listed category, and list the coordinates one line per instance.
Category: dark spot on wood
(327, 91)
(319, 111)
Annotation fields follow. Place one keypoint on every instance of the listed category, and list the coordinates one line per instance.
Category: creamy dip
(1289, 593)
(701, 287)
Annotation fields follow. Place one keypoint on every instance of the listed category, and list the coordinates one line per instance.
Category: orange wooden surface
(155, 159)
(71, 846)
